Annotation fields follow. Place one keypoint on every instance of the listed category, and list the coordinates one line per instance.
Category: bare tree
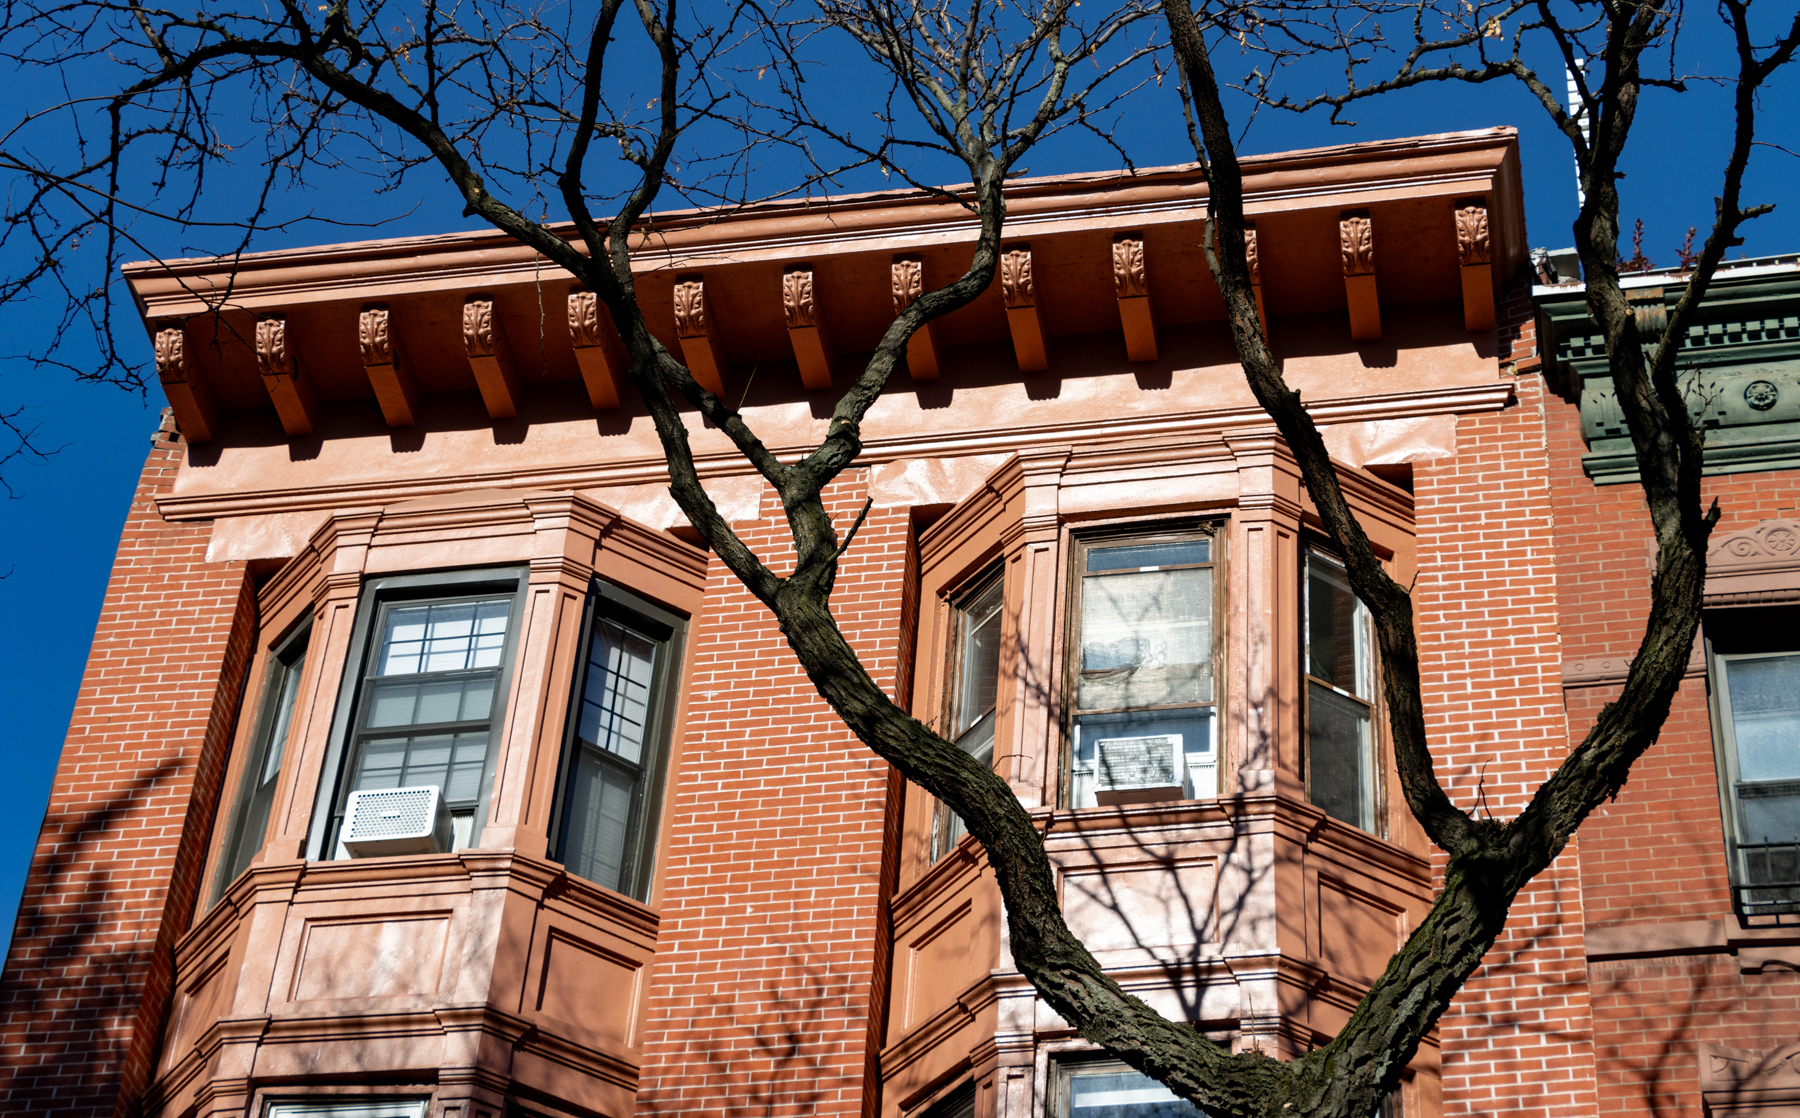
(1490, 861)
(520, 112)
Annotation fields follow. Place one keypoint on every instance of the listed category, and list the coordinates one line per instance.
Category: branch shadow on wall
(781, 1057)
(65, 918)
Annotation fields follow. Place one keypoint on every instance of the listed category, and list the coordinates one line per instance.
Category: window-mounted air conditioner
(383, 821)
(1138, 770)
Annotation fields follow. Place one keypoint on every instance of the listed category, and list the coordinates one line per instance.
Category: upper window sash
(975, 689)
(1339, 648)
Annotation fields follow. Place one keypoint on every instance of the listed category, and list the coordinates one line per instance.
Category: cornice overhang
(1739, 364)
(1452, 164)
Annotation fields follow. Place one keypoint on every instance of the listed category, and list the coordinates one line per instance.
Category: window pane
(615, 700)
(979, 683)
(450, 762)
(599, 827)
(284, 718)
(258, 795)
(1146, 639)
(1765, 716)
(1124, 1094)
(443, 637)
(1135, 556)
(423, 702)
(1339, 761)
(1337, 633)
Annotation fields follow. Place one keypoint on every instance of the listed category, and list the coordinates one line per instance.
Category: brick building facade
(403, 546)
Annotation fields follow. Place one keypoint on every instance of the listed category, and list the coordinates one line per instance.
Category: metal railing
(1768, 881)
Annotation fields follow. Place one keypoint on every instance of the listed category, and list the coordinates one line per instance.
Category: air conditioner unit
(383, 821)
(1138, 770)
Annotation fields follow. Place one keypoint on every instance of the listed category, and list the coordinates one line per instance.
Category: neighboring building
(407, 528)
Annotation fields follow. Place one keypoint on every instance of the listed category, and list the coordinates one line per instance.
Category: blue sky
(58, 534)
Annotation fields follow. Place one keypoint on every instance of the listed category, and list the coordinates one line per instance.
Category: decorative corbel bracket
(290, 389)
(598, 350)
(1475, 252)
(1131, 283)
(385, 363)
(1356, 239)
(1251, 257)
(192, 402)
(806, 326)
(699, 334)
(922, 347)
(1018, 287)
(490, 358)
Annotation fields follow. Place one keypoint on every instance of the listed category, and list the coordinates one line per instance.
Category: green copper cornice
(1739, 366)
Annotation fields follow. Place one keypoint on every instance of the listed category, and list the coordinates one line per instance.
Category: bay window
(1143, 703)
(434, 657)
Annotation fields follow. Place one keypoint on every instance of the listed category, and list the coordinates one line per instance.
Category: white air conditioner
(382, 821)
(1138, 770)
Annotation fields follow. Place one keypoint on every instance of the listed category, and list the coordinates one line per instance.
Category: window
(1143, 710)
(974, 689)
(1756, 702)
(348, 1108)
(960, 1103)
(1340, 690)
(618, 733)
(249, 825)
(435, 653)
(1112, 1090)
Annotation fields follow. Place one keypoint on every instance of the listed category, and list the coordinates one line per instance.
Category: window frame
(1376, 802)
(957, 1102)
(990, 577)
(1064, 1071)
(1725, 755)
(1211, 529)
(646, 821)
(377, 593)
(355, 1106)
(287, 660)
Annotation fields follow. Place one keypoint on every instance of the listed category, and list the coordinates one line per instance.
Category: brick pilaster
(768, 967)
(116, 870)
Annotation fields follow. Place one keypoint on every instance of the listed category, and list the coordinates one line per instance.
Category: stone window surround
(561, 541)
(1750, 567)
(1753, 567)
(1027, 514)
(1743, 1083)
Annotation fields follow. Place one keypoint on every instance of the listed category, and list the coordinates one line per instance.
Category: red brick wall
(1519, 1038)
(775, 865)
(113, 880)
(1657, 853)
